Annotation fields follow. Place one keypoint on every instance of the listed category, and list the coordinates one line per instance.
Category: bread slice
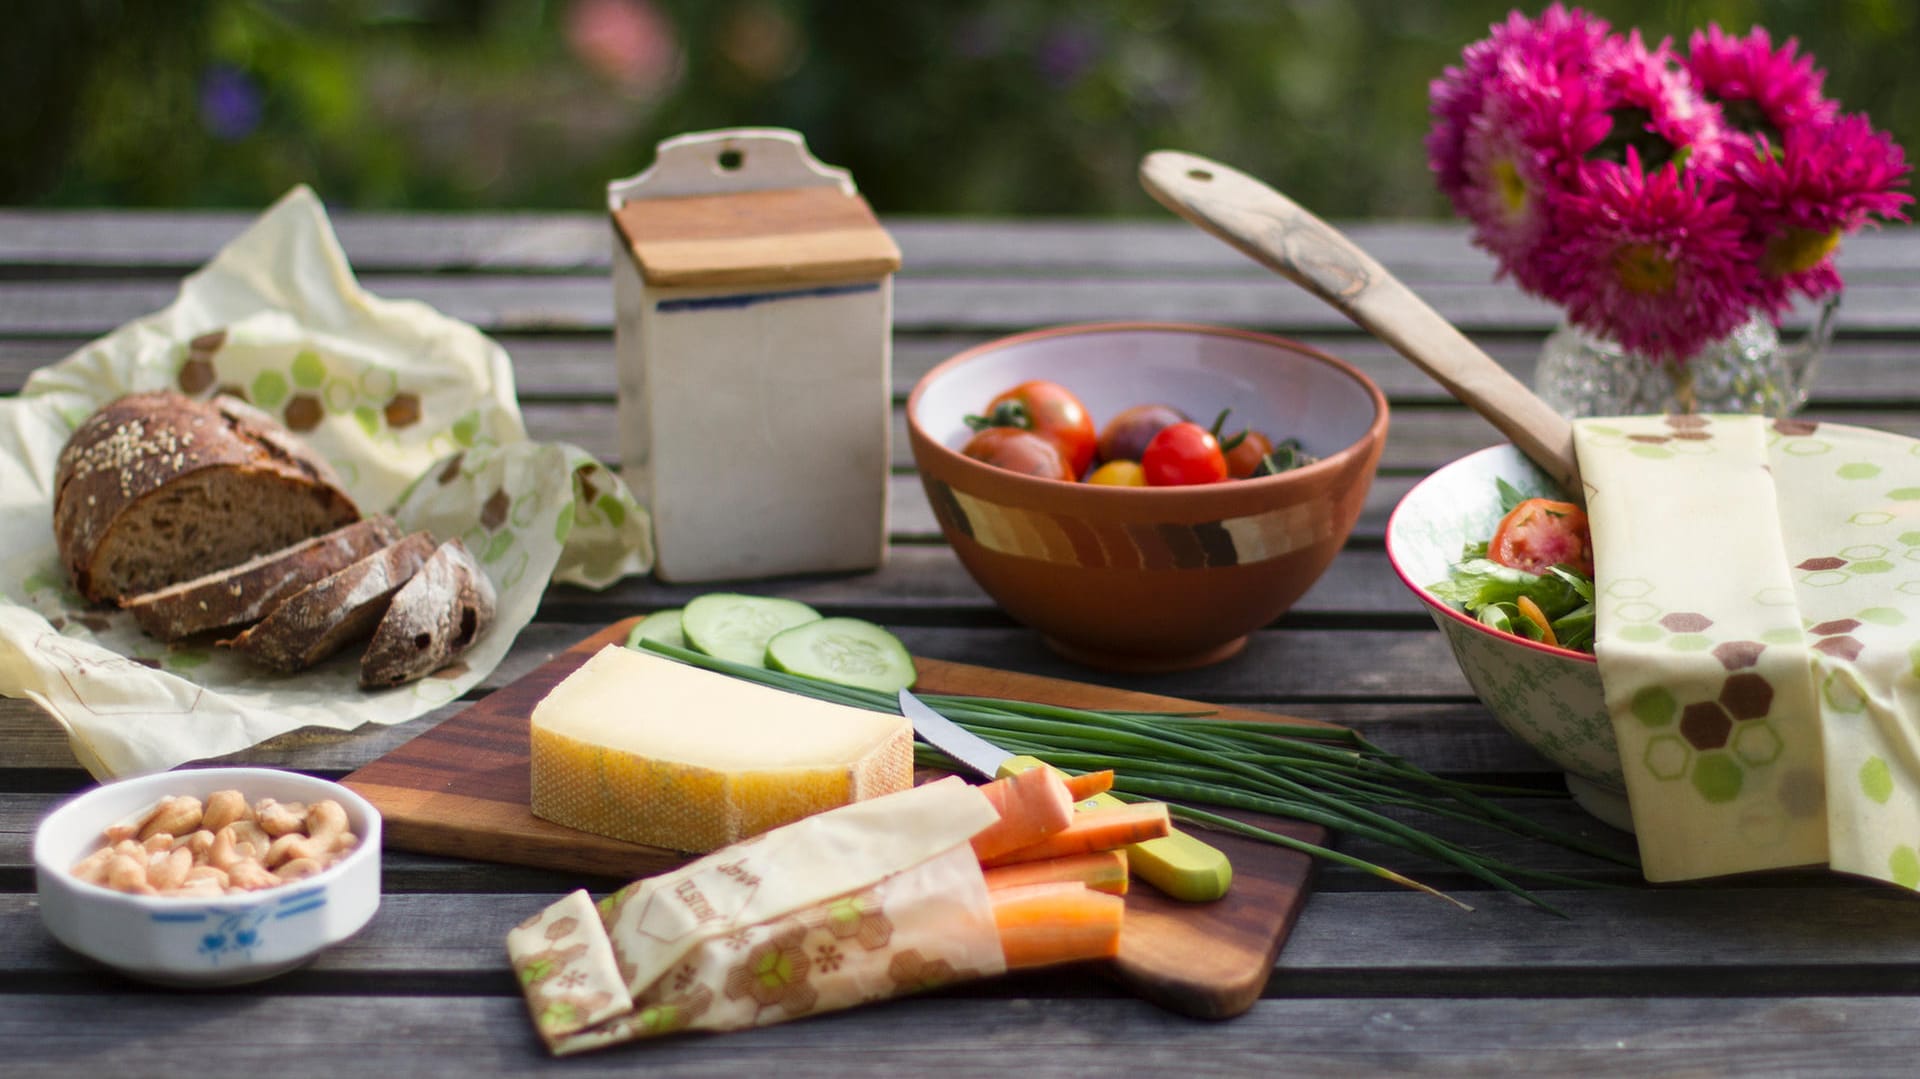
(157, 488)
(326, 616)
(242, 594)
(433, 619)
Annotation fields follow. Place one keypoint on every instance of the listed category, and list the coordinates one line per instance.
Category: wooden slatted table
(1797, 974)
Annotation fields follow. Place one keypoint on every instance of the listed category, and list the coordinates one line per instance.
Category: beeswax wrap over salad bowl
(415, 411)
(1757, 637)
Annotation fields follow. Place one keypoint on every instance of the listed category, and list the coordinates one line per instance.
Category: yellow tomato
(1119, 474)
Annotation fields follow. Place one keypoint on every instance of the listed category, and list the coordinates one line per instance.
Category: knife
(1177, 863)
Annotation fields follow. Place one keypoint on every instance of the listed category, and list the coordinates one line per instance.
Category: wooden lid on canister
(779, 236)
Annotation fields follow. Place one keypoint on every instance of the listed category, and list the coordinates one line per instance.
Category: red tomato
(1018, 450)
(1539, 535)
(1050, 410)
(1183, 454)
(1126, 435)
(1244, 457)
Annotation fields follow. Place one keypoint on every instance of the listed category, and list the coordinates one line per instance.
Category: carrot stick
(1044, 924)
(1103, 828)
(1101, 870)
(1086, 786)
(1033, 805)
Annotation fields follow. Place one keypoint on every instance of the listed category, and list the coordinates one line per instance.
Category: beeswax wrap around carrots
(1758, 636)
(869, 901)
(417, 413)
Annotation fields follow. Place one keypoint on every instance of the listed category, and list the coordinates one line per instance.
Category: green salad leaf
(1489, 591)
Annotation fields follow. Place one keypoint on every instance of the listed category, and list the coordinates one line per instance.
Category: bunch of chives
(1323, 775)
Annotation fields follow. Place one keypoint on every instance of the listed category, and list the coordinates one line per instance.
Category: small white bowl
(198, 941)
(1548, 697)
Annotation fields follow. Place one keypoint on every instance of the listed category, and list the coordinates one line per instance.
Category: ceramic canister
(753, 296)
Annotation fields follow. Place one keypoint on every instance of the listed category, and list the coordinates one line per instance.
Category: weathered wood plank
(1764, 936)
(1419, 440)
(1856, 371)
(581, 304)
(1458, 737)
(405, 872)
(1840, 1036)
(177, 240)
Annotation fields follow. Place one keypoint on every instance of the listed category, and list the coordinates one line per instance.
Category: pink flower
(1661, 200)
(1515, 160)
(1649, 258)
(1826, 178)
(1762, 92)
(1654, 108)
(1559, 39)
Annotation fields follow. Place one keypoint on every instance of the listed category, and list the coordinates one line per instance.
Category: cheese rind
(639, 747)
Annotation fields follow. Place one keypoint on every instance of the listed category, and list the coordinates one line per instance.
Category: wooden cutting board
(462, 788)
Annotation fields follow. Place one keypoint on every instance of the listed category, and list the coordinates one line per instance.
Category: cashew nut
(128, 827)
(280, 818)
(298, 869)
(177, 846)
(93, 868)
(126, 873)
(200, 874)
(249, 874)
(176, 816)
(223, 808)
(250, 837)
(166, 872)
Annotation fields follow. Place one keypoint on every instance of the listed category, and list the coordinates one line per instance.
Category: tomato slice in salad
(1539, 534)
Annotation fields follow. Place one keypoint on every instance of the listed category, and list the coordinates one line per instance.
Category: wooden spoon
(1280, 235)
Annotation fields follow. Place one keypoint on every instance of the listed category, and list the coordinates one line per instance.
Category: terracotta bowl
(1144, 578)
(1549, 698)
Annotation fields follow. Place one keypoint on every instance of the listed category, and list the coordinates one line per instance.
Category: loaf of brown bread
(242, 594)
(157, 488)
(432, 620)
(325, 616)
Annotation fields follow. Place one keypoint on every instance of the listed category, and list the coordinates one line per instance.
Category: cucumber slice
(849, 651)
(736, 627)
(662, 626)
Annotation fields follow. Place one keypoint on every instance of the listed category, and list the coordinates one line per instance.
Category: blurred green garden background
(993, 107)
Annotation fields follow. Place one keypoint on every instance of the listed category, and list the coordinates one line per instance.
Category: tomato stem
(1004, 414)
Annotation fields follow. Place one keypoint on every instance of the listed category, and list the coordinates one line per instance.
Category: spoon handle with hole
(1277, 233)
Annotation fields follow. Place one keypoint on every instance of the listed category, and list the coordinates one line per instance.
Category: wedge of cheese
(639, 747)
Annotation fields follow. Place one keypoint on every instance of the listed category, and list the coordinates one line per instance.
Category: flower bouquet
(1663, 199)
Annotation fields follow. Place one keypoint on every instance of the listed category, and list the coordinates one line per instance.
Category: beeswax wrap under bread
(416, 412)
(1758, 637)
(872, 900)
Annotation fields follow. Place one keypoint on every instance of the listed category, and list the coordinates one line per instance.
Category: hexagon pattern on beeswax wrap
(305, 388)
(302, 382)
(1711, 740)
(1708, 739)
(1854, 533)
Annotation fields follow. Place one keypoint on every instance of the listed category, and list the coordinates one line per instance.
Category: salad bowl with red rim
(1143, 578)
(1547, 696)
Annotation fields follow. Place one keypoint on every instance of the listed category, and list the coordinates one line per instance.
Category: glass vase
(1753, 370)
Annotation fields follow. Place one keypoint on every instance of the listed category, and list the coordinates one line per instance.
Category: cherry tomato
(1243, 457)
(1126, 435)
(1119, 474)
(1047, 409)
(1538, 535)
(1183, 454)
(1018, 450)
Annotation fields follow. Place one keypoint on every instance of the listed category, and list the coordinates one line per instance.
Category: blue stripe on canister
(750, 299)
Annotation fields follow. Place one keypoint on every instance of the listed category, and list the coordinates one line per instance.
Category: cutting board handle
(1279, 234)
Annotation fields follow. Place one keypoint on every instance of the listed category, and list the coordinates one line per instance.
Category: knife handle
(1178, 864)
